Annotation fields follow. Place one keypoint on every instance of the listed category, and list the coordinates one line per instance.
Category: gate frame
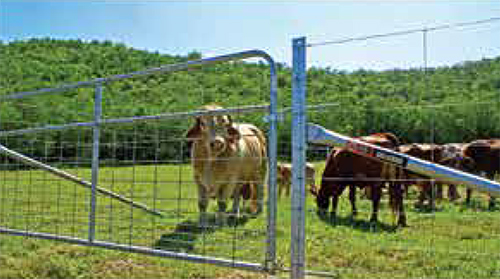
(269, 264)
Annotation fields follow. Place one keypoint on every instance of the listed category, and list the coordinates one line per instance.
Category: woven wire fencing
(144, 160)
(428, 103)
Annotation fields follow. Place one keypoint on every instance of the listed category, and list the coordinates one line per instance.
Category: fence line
(405, 32)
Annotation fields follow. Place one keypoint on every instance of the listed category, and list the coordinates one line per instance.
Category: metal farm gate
(125, 183)
(331, 108)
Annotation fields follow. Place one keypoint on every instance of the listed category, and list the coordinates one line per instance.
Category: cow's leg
(287, 189)
(491, 203)
(202, 204)
(376, 194)
(453, 194)
(352, 199)
(236, 200)
(258, 198)
(396, 201)
(280, 189)
(337, 191)
(422, 193)
(468, 196)
(439, 191)
(222, 205)
(431, 194)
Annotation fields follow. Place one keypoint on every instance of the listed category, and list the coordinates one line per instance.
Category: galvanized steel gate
(62, 204)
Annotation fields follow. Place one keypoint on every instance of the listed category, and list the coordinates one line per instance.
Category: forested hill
(460, 101)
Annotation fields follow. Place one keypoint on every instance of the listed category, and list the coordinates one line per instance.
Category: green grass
(454, 242)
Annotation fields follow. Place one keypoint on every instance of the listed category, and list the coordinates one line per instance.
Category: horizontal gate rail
(319, 135)
(162, 69)
(140, 250)
(34, 163)
(175, 115)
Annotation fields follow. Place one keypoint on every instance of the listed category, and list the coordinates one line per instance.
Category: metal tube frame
(298, 158)
(270, 254)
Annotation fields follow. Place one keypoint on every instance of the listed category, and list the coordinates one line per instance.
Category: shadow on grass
(186, 233)
(358, 224)
(478, 205)
(426, 209)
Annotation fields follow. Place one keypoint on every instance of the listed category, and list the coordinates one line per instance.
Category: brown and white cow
(227, 157)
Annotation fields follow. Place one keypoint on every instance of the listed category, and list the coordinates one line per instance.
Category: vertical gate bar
(272, 206)
(298, 158)
(95, 159)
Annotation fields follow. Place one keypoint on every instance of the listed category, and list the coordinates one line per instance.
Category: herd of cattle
(229, 161)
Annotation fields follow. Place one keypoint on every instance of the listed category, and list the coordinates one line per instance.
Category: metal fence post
(95, 159)
(298, 158)
(273, 167)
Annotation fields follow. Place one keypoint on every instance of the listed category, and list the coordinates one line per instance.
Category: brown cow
(226, 156)
(428, 152)
(345, 168)
(285, 177)
(452, 156)
(486, 155)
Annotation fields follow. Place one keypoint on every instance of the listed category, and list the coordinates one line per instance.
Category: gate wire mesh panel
(427, 103)
(145, 161)
(35, 200)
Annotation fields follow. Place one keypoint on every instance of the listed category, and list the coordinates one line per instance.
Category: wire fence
(428, 107)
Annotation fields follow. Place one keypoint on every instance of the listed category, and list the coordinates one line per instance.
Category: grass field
(454, 242)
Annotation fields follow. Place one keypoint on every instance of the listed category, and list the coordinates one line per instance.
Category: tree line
(456, 103)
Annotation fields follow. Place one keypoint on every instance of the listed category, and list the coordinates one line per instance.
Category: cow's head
(215, 131)
(460, 162)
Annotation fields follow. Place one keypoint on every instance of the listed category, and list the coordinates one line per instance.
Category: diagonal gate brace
(29, 161)
(319, 135)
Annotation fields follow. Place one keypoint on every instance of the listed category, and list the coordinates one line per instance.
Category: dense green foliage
(447, 104)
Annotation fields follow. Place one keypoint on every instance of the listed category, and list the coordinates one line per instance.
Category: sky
(221, 27)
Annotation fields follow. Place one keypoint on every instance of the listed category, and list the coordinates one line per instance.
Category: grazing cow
(227, 157)
(486, 155)
(428, 152)
(285, 177)
(452, 156)
(346, 168)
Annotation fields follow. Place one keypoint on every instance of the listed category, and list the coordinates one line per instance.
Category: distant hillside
(369, 101)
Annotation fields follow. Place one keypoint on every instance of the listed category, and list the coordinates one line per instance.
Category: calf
(285, 177)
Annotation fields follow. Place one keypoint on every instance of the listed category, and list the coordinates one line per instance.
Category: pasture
(456, 241)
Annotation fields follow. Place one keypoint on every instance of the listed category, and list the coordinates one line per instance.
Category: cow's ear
(233, 133)
(194, 132)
